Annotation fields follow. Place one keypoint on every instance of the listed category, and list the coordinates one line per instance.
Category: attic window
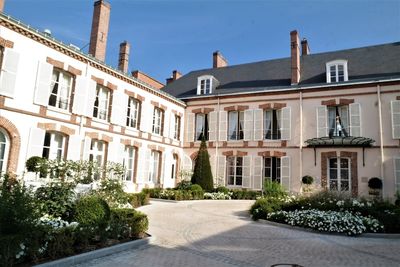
(336, 71)
(206, 84)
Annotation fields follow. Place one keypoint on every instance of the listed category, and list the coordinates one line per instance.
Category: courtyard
(221, 233)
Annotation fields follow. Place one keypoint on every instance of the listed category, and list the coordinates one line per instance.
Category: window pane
(233, 125)
(268, 124)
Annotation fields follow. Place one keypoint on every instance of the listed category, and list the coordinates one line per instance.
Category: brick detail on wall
(398, 97)
(6, 43)
(55, 63)
(344, 101)
(98, 80)
(43, 111)
(265, 106)
(236, 108)
(272, 106)
(202, 110)
(193, 156)
(15, 144)
(54, 127)
(277, 154)
(330, 102)
(112, 86)
(234, 153)
(74, 71)
(155, 147)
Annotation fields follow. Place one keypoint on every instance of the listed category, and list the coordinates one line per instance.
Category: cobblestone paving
(220, 233)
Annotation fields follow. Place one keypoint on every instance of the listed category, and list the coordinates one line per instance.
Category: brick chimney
(295, 57)
(175, 76)
(123, 60)
(305, 49)
(219, 60)
(2, 5)
(99, 34)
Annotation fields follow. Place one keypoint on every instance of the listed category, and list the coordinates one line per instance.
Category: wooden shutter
(285, 123)
(322, 121)
(8, 74)
(396, 164)
(248, 125)
(212, 126)
(119, 106)
(246, 182)
(74, 147)
(43, 83)
(221, 169)
(285, 173)
(35, 144)
(395, 111)
(258, 124)
(223, 125)
(355, 119)
(91, 97)
(257, 172)
(189, 135)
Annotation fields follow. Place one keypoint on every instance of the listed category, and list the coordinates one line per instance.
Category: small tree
(202, 174)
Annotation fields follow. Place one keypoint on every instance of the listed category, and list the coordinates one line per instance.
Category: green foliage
(152, 192)
(307, 179)
(273, 189)
(375, 183)
(56, 199)
(128, 223)
(37, 165)
(244, 194)
(112, 191)
(184, 185)
(222, 189)
(263, 206)
(92, 211)
(196, 187)
(139, 199)
(202, 174)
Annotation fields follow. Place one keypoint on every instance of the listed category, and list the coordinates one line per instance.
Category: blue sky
(182, 34)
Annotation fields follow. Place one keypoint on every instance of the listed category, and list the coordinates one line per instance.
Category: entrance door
(339, 174)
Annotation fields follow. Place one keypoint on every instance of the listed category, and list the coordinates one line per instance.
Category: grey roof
(364, 64)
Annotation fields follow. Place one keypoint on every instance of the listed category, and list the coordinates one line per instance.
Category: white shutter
(146, 119)
(221, 169)
(119, 106)
(171, 125)
(257, 172)
(80, 95)
(396, 163)
(35, 144)
(8, 74)
(186, 163)
(114, 150)
(395, 111)
(223, 126)
(248, 125)
(322, 121)
(212, 126)
(189, 136)
(146, 166)
(86, 148)
(355, 119)
(74, 147)
(246, 182)
(258, 124)
(285, 173)
(163, 175)
(91, 97)
(43, 83)
(285, 123)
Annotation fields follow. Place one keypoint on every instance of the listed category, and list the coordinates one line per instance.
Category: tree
(202, 174)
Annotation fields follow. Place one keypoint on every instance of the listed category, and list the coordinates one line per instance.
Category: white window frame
(129, 163)
(52, 148)
(235, 175)
(177, 127)
(278, 178)
(64, 82)
(238, 120)
(339, 109)
(395, 116)
(6, 148)
(154, 168)
(339, 178)
(205, 126)
(94, 152)
(278, 127)
(133, 113)
(101, 109)
(158, 119)
(206, 84)
(336, 64)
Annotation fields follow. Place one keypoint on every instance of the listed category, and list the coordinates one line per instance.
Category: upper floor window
(201, 126)
(130, 163)
(336, 71)
(236, 125)
(61, 84)
(102, 103)
(133, 115)
(206, 84)
(395, 112)
(158, 120)
(272, 124)
(235, 171)
(338, 119)
(177, 127)
(54, 146)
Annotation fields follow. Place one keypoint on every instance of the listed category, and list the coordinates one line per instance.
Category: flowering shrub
(217, 195)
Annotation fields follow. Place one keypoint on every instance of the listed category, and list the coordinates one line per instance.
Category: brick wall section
(123, 60)
(277, 154)
(147, 79)
(219, 60)
(234, 153)
(4, 42)
(236, 108)
(295, 57)
(15, 144)
(272, 106)
(55, 63)
(343, 101)
(74, 71)
(330, 102)
(99, 32)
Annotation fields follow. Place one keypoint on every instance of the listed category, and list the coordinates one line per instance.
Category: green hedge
(139, 199)
(128, 223)
(92, 211)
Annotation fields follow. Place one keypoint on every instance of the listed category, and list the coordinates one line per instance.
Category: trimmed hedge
(92, 211)
(139, 199)
(128, 223)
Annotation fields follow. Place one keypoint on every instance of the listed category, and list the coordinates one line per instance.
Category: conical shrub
(202, 174)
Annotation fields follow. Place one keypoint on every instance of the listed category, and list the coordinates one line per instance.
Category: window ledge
(59, 110)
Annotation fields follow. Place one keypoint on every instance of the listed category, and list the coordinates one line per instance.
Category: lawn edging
(95, 254)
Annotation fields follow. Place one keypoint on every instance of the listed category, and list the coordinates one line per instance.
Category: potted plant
(307, 181)
(375, 186)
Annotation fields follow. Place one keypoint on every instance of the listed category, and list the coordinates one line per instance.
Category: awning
(349, 141)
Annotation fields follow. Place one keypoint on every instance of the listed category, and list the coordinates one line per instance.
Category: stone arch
(15, 144)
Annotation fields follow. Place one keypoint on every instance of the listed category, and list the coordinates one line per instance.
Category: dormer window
(336, 71)
(206, 84)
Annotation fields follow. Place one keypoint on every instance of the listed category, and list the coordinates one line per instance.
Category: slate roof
(364, 64)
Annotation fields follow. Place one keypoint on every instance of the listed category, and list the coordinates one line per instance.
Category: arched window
(4, 149)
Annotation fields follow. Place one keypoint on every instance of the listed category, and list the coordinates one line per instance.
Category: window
(236, 125)
(174, 165)
(101, 104)
(133, 115)
(395, 110)
(61, 83)
(338, 119)
(339, 174)
(155, 161)
(396, 163)
(201, 126)
(206, 84)
(177, 127)
(235, 171)
(97, 154)
(336, 71)
(54, 146)
(272, 124)
(158, 121)
(4, 147)
(272, 169)
(129, 163)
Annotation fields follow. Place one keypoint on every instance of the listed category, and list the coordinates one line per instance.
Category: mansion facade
(334, 116)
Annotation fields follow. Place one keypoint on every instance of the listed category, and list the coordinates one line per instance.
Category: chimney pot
(295, 57)
(175, 76)
(305, 49)
(123, 61)
(219, 60)
(99, 33)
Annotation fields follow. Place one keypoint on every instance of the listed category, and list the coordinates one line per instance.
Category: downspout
(381, 137)
(217, 141)
(301, 135)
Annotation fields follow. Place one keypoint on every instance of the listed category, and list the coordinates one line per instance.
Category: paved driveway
(220, 233)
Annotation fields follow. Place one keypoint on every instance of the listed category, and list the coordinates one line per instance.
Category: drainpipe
(301, 135)
(217, 140)
(381, 138)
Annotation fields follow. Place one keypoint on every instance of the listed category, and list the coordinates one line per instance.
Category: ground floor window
(54, 146)
(97, 154)
(174, 166)
(130, 163)
(155, 161)
(235, 170)
(272, 169)
(4, 144)
(339, 174)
